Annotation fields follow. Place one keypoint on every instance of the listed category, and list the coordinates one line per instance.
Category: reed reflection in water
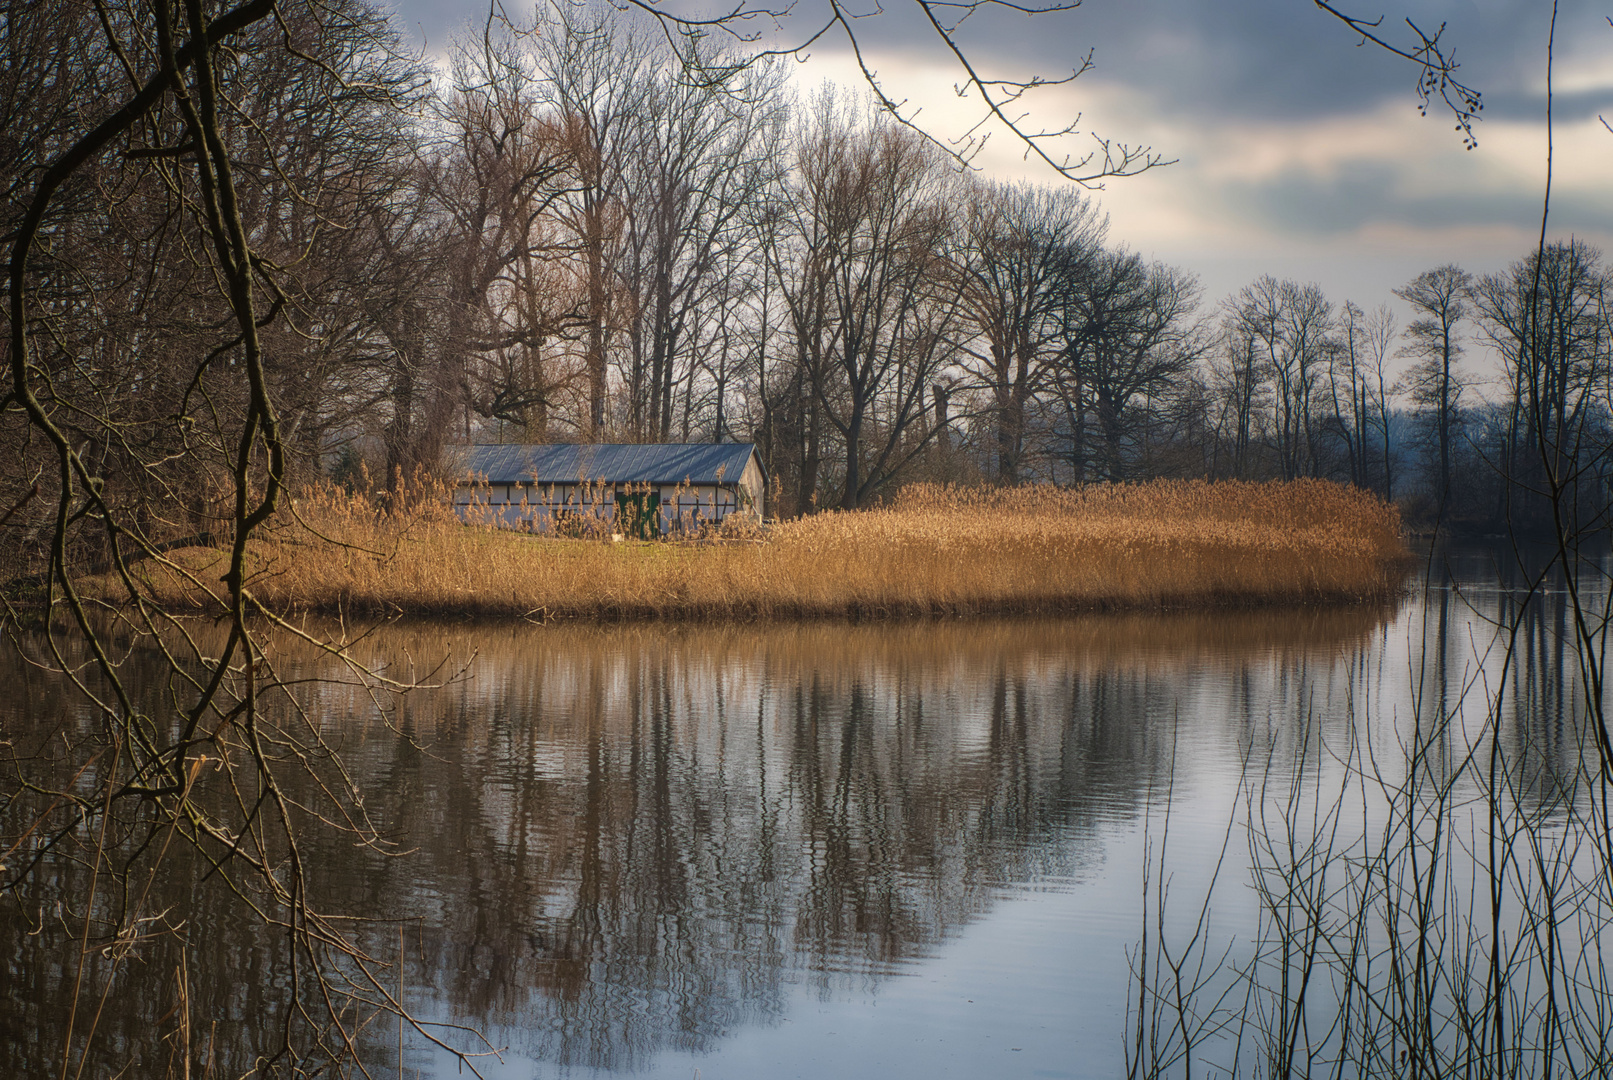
(659, 848)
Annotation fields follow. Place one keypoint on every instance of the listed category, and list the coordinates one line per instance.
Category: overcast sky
(1297, 153)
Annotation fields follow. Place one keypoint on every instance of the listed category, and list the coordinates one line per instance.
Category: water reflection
(629, 841)
(1424, 885)
(640, 839)
(1491, 653)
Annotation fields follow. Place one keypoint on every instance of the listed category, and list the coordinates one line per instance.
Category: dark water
(824, 850)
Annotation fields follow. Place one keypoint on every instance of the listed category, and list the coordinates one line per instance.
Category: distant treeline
(578, 230)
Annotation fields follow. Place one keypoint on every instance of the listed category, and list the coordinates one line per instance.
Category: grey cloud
(1271, 59)
(433, 21)
(1362, 194)
(1210, 60)
(1565, 107)
(1287, 59)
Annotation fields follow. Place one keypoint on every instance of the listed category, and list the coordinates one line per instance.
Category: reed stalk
(931, 551)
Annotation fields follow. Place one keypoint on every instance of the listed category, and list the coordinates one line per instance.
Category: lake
(923, 849)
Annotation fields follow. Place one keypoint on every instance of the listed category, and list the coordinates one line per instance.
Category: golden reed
(932, 550)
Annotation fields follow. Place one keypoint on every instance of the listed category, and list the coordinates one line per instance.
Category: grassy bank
(933, 551)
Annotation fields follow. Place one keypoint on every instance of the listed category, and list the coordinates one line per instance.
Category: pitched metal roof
(612, 463)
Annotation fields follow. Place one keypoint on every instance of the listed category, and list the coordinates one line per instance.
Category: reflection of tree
(668, 829)
(1431, 881)
(633, 840)
(1544, 724)
(1499, 637)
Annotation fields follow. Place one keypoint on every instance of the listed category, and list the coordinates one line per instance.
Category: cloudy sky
(1297, 152)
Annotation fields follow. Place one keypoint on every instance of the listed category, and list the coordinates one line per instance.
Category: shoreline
(32, 616)
(854, 614)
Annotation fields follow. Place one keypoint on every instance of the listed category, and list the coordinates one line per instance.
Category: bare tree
(1347, 385)
(1359, 373)
(595, 72)
(1439, 296)
(1021, 245)
(1290, 324)
(1375, 336)
(1240, 384)
(334, 150)
(1129, 337)
(703, 152)
(872, 309)
(1548, 318)
(514, 161)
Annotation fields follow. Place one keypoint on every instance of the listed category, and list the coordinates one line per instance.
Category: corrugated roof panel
(613, 463)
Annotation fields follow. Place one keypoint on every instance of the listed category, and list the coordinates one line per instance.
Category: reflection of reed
(636, 838)
(1127, 640)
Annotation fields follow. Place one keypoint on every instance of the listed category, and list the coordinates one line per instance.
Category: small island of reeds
(932, 550)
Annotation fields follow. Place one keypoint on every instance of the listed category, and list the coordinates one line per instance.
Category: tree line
(582, 228)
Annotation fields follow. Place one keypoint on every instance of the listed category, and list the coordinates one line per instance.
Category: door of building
(638, 514)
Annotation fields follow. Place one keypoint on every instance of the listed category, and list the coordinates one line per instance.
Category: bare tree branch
(1437, 77)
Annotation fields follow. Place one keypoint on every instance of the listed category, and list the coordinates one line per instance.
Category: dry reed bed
(933, 551)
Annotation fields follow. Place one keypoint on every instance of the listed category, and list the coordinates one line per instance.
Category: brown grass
(933, 551)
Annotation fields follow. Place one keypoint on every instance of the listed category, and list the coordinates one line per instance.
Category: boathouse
(637, 490)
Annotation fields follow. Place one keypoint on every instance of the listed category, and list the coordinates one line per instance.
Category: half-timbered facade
(639, 490)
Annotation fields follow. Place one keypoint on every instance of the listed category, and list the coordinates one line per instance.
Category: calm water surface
(823, 850)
